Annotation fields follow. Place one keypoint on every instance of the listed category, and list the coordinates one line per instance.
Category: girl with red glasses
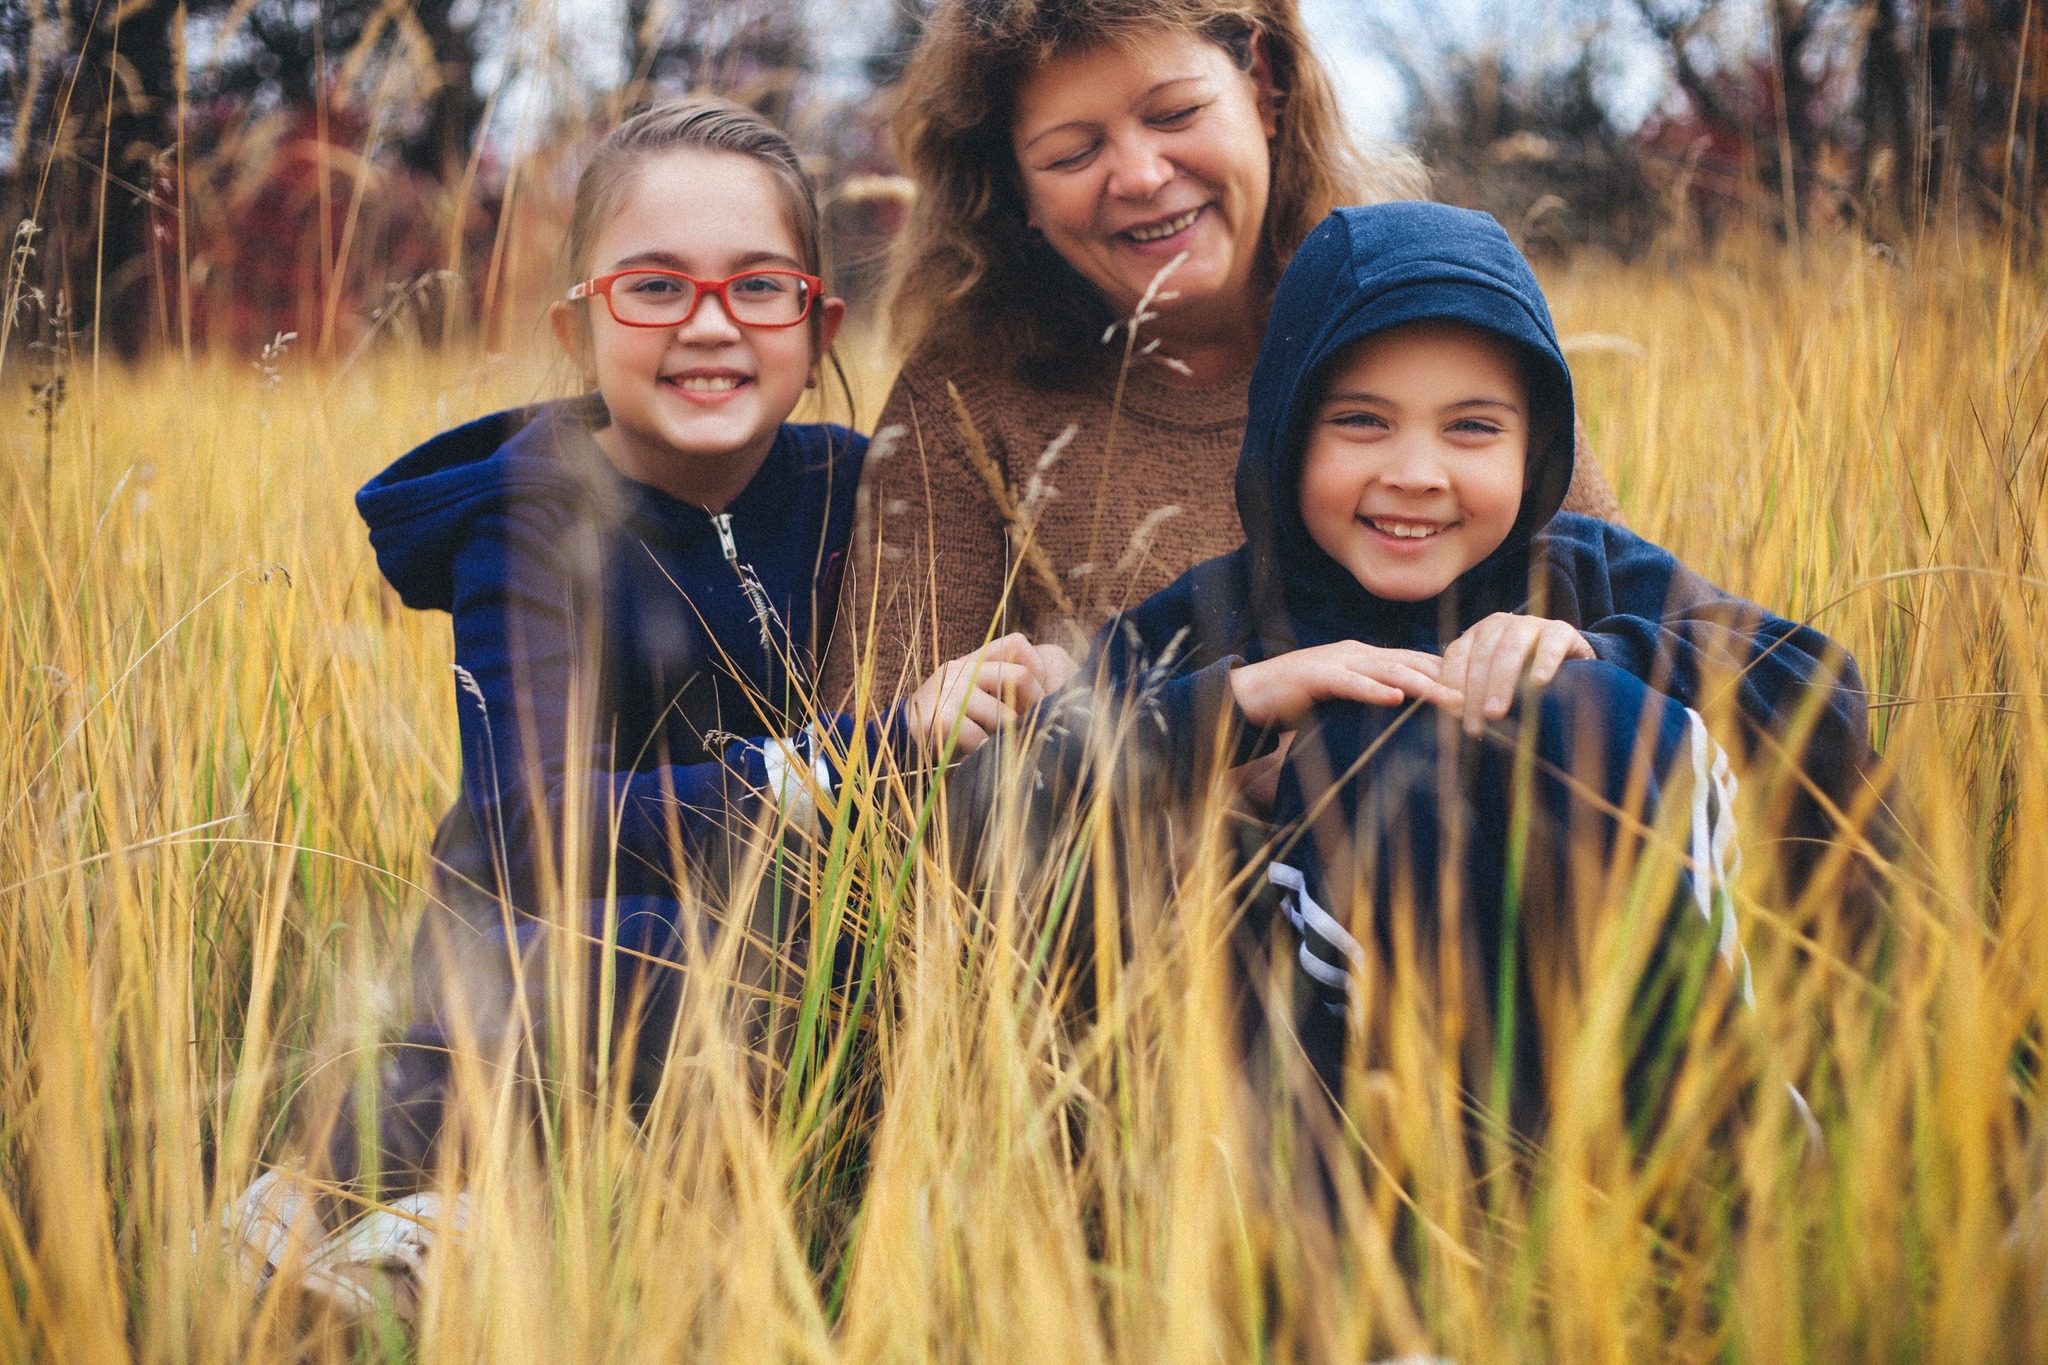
(641, 581)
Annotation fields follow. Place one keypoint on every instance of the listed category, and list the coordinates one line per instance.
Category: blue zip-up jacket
(610, 635)
(1362, 271)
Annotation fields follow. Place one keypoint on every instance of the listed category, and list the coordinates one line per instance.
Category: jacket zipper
(757, 597)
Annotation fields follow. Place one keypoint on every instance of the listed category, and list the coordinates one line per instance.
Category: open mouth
(1407, 530)
(1164, 228)
(706, 383)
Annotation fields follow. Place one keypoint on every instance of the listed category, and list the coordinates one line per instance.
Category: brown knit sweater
(1139, 493)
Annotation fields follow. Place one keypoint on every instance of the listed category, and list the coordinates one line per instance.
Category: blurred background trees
(220, 171)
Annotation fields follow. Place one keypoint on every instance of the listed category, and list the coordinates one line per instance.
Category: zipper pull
(722, 522)
(750, 588)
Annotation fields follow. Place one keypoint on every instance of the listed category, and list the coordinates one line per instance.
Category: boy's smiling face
(1413, 467)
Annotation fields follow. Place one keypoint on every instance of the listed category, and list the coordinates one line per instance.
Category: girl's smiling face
(1414, 463)
(694, 407)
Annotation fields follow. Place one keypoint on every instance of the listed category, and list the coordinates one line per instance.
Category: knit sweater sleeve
(1590, 494)
(925, 578)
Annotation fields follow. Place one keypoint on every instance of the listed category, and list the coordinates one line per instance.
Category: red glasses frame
(602, 284)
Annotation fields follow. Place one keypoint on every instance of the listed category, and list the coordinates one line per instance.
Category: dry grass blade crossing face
(224, 747)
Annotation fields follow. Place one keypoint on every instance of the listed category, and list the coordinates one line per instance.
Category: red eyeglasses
(669, 298)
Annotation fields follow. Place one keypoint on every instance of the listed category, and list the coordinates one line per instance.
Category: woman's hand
(986, 690)
(1486, 662)
(1280, 690)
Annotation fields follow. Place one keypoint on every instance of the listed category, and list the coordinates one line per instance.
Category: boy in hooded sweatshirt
(1408, 448)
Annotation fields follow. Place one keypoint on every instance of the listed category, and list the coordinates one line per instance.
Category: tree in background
(1540, 153)
(1879, 110)
(1796, 114)
(219, 171)
(754, 51)
(91, 89)
(193, 169)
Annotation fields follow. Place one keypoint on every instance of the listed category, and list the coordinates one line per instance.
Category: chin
(1401, 587)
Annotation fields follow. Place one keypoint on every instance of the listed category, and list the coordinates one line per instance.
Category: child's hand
(1280, 690)
(986, 690)
(1487, 661)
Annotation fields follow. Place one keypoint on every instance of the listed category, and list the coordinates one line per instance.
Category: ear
(831, 313)
(572, 334)
(1260, 70)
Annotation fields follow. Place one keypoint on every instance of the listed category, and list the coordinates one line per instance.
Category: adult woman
(1107, 193)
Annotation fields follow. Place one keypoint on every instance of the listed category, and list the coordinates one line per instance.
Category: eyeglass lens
(764, 297)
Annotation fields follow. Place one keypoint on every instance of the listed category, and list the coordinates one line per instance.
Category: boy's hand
(1280, 690)
(986, 690)
(1487, 661)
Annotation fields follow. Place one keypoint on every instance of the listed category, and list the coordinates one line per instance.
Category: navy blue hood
(420, 510)
(1362, 271)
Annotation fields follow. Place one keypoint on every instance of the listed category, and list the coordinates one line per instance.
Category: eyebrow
(668, 260)
(1363, 396)
(1083, 123)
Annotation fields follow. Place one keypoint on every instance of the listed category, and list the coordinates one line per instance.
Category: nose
(710, 322)
(1413, 465)
(1139, 167)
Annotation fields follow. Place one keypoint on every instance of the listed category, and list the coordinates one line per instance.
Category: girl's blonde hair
(967, 271)
(702, 124)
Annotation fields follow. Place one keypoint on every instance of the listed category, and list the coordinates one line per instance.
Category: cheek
(1239, 155)
(1053, 205)
(1328, 495)
(619, 349)
(785, 358)
(1503, 496)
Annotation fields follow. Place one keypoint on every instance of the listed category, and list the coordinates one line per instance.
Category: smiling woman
(1108, 191)
(1131, 158)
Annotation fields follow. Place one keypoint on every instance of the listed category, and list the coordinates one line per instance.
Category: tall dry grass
(225, 745)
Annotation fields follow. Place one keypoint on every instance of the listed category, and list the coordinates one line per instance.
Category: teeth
(1406, 530)
(707, 383)
(1165, 229)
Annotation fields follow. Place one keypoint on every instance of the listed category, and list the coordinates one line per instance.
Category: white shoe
(380, 1256)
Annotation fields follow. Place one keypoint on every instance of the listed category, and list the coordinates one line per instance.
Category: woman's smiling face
(1128, 156)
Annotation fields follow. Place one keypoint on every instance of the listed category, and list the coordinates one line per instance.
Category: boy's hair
(697, 124)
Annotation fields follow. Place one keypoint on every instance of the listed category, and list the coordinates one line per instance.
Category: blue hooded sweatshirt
(1361, 272)
(608, 634)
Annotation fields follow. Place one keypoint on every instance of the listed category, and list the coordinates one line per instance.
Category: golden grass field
(224, 746)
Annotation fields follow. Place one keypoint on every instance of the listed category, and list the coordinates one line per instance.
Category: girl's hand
(986, 690)
(1280, 690)
(1486, 662)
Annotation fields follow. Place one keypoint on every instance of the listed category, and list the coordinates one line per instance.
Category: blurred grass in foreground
(225, 746)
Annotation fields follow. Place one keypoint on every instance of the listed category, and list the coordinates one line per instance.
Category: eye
(653, 286)
(1072, 160)
(1356, 419)
(1476, 426)
(760, 286)
(1177, 118)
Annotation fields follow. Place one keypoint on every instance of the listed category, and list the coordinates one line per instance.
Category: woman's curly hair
(967, 271)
